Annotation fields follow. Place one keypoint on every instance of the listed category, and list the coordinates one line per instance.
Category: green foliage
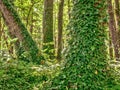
(116, 87)
(19, 75)
(48, 51)
(28, 41)
(30, 12)
(87, 65)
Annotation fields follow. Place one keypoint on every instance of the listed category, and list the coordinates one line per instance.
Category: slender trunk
(29, 12)
(69, 8)
(112, 28)
(117, 13)
(32, 21)
(60, 29)
(111, 47)
(17, 29)
(0, 31)
(48, 44)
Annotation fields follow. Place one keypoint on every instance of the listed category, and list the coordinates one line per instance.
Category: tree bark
(17, 29)
(111, 48)
(60, 29)
(113, 31)
(117, 13)
(48, 44)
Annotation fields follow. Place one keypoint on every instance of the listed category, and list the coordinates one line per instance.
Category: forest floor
(28, 76)
(16, 74)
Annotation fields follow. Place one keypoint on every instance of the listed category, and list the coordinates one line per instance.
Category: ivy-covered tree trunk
(86, 55)
(18, 30)
(48, 44)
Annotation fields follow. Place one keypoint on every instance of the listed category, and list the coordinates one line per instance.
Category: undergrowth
(20, 75)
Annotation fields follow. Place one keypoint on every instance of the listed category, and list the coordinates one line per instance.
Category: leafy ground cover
(20, 75)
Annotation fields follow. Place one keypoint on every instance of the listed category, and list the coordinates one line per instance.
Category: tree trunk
(113, 31)
(69, 8)
(48, 44)
(0, 31)
(117, 13)
(111, 48)
(60, 29)
(17, 29)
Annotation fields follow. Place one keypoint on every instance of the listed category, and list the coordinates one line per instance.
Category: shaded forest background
(39, 20)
